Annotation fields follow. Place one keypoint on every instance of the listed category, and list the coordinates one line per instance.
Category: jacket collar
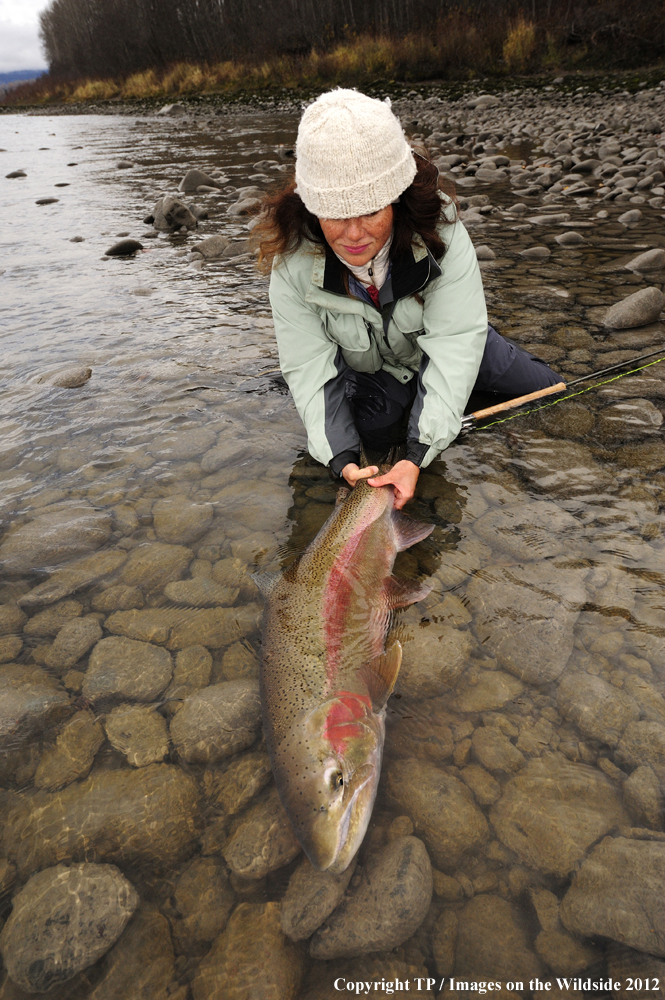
(411, 272)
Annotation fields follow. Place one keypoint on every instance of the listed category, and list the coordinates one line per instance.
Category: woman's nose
(354, 229)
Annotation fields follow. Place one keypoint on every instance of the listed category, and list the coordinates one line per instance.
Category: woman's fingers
(352, 473)
(403, 476)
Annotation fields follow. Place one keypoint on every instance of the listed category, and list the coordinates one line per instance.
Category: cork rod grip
(511, 403)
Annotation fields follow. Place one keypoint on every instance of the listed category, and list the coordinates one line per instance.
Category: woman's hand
(352, 473)
(403, 476)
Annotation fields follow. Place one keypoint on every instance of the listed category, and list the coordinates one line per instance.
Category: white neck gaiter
(375, 271)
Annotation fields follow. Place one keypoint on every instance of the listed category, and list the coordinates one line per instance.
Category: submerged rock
(54, 538)
(128, 669)
(251, 958)
(553, 811)
(78, 741)
(311, 896)
(217, 721)
(214, 627)
(433, 658)
(141, 965)
(62, 921)
(263, 840)
(544, 599)
(72, 642)
(73, 577)
(193, 667)
(201, 593)
(180, 521)
(72, 378)
(617, 894)
(536, 530)
(139, 732)
(202, 904)
(441, 808)
(599, 710)
(30, 700)
(631, 418)
(386, 907)
(234, 788)
(644, 798)
(644, 743)
(153, 565)
(638, 309)
(492, 941)
(156, 826)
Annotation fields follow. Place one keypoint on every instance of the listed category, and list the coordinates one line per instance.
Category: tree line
(119, 37)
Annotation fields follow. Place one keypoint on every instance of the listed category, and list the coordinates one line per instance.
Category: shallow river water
(518, 832)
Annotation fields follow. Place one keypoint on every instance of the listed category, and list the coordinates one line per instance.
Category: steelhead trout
(326, 674)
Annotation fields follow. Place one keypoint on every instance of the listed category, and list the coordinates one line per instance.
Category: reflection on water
(519, 827)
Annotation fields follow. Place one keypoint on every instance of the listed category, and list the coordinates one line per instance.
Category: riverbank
(150, 464)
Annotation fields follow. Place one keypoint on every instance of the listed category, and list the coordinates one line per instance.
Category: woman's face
(358, 240)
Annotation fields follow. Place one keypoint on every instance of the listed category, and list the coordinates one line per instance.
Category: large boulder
(54, 538)
(442, 809)
(638, 309)
(599, 710)
(263, 840)
(73, 577)
(62, 921)
(195, 178)
(526, 531)
(311, 896)
(30, 700)
(618, 894)
(169, 213)
(251, 958)
(385, 908)
(127, 669)
(553, 811)
(525, 615)
(147, 817)
(492, 941)
(217, 721)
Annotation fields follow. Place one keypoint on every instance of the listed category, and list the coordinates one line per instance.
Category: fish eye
(336, 780)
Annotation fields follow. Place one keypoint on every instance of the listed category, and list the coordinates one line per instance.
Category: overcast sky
(19, 44)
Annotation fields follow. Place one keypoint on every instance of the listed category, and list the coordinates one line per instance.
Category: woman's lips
(358, 250)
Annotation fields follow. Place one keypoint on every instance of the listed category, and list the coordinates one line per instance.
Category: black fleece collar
(408, 274)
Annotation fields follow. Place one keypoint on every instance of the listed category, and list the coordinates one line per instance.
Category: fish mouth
(326, 841)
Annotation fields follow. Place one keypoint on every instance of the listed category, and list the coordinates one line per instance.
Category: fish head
(329, 795)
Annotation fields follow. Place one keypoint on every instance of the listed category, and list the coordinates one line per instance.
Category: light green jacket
(433, 326)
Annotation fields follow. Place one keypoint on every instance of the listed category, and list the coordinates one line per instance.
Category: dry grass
(520, 46)
(458, 47)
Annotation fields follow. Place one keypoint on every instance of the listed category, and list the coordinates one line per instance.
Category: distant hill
(18, 75)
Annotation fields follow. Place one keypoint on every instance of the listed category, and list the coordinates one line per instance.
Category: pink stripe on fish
(336, 600)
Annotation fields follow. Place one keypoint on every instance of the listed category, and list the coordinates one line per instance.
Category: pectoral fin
(266, 582)
(408, 531)
(380, 675)
(402, 593)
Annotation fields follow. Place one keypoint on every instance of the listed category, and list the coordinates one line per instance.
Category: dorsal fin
(408, 531)
(380, 675)
(402, 593)
(266, 582)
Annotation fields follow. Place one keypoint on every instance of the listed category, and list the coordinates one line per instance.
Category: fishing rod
(472, 420)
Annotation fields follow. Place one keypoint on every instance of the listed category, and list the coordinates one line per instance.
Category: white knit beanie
(352, 157)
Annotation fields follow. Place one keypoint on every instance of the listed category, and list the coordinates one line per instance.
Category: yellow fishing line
(562, 399)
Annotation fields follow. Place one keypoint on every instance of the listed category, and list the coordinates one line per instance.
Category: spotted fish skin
(326, 675)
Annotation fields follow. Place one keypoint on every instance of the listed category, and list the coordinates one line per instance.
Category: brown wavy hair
(285, 223)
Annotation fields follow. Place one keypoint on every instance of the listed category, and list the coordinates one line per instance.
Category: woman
(377, 297)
